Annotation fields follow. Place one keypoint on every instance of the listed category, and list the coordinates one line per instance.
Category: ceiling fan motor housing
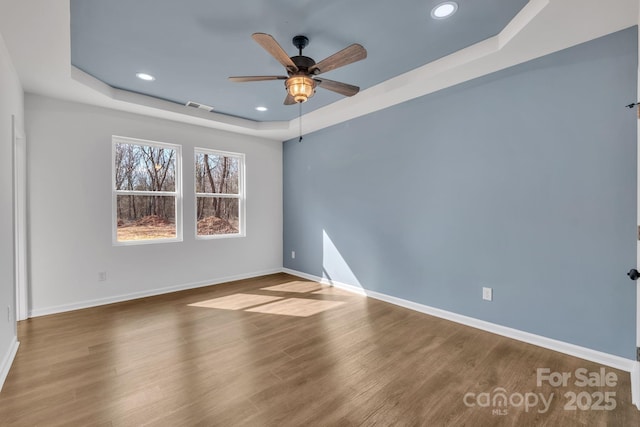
(303, 63)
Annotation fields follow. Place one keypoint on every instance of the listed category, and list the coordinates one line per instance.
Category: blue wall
(523, 181)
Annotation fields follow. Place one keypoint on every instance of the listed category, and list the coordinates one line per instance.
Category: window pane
(145, 168)
(217, 174)
(146, 217)
(217, 215)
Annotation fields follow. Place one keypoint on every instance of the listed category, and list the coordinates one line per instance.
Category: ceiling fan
(301, 80)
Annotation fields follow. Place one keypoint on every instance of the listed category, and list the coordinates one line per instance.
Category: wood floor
(280, 351)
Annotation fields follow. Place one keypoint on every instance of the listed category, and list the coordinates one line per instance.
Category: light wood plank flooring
(281, 351)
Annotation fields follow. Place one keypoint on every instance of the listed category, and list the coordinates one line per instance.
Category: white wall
(11, 104)
(69, 162)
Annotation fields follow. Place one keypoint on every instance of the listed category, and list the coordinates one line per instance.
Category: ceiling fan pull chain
(300, 120)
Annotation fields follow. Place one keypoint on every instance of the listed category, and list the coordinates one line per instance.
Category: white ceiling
(37, 34)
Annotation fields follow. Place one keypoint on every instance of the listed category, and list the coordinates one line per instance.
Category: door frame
(19, 154)
(635, 372)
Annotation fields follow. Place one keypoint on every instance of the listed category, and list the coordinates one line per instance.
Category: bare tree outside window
(219, 193)
(145, 190)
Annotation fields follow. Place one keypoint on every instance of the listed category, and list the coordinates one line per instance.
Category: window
(219, 182)
(146, 192)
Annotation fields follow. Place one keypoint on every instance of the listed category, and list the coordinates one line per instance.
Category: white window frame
(115, 193)
(241, 196)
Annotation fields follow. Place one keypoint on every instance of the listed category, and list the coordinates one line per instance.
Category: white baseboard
(596, 356)
(135, 295)
(7, 361)
(635, 385)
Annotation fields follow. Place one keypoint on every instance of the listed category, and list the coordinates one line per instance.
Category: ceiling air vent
(200, 106)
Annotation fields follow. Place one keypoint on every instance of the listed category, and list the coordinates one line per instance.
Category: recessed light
(444, 10)
(261, 108)
(145, 76)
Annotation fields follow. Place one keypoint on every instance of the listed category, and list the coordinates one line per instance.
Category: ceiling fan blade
(241, 79)
(338, 87)
(289, 100)
(271, 45)
(346, 56)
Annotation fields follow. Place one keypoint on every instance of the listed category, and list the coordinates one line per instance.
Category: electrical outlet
(293, 254)
(487, 294)
(102, 276)
(8, 313)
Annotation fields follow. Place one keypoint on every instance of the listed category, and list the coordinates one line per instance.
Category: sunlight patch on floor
(298, 307)
(297, 286)
(330, 290)
(284, 305)
(236, 301)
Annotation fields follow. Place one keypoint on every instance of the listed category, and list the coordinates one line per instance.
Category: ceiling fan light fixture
(444, 10)
(300, 88)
